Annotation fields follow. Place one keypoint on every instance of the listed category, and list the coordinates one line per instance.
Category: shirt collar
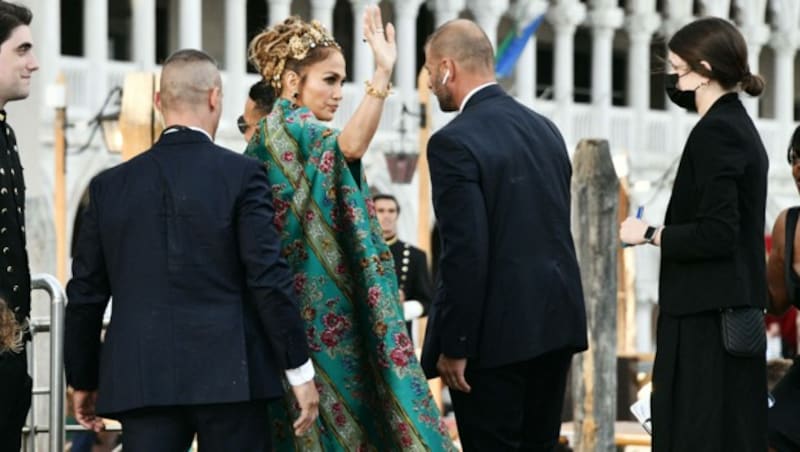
(471, 93)
(196, 129)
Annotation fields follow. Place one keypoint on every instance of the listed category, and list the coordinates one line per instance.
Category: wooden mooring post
(595, 191)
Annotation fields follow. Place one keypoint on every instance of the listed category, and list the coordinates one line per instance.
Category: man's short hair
(263, 95)
(188, 87)
(11, 17)
(380, 196)
(465, 42)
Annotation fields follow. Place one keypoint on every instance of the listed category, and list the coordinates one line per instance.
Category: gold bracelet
(375, 92)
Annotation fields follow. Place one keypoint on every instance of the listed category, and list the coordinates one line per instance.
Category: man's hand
(308, 399)
(84, 403)
(452, 372)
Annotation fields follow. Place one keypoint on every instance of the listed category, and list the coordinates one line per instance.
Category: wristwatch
(650, 234)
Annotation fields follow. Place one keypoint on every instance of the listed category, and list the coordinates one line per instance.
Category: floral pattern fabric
(373, 394)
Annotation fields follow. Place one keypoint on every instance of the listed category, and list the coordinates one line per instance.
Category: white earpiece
(446, 76)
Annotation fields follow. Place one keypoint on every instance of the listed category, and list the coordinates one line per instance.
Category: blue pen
(639, 213)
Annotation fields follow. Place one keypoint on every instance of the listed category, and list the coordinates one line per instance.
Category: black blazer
(712, 246)
(509, 288)
(15, 277)
(413, 278)
(204, 310)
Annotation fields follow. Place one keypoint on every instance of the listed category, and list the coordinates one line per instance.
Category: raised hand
(381, 39)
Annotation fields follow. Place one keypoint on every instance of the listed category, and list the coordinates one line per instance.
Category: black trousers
(219, 427)
(15, 399)
(516, 407)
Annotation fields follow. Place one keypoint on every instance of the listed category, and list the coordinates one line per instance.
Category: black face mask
(683, 99)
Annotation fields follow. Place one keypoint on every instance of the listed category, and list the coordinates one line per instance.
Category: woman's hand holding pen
(632, 230)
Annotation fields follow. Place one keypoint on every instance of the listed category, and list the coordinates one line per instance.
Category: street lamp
(401, 161)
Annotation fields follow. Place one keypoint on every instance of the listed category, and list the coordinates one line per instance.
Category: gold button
(9, 269)
(16, 288)
(405, 260)
(12, 171)
(404, 268)
(5, 250)
(3, 230)
(3, 190)
(16, 192)
(19, 209)
(2, 171)
(22, 228)
(4, 210)
(15, 147)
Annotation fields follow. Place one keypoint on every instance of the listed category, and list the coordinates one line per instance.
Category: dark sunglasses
(241, 124)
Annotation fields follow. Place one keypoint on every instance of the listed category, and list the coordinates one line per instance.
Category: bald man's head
(466, 43)
(187, 77)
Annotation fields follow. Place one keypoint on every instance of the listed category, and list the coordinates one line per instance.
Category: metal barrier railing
(55, 326)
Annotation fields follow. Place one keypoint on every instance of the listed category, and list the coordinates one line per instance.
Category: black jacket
(509, 288)
(712, 246)
(15, 277)
(203, 306)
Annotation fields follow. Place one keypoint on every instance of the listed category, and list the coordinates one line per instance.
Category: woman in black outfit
(706, 398)
(783, 279)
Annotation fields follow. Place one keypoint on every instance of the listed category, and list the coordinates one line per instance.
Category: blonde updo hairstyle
(293, 44)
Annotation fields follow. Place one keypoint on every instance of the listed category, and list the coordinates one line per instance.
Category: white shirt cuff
(300, 375)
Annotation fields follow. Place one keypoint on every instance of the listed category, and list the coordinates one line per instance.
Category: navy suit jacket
(204, 311)
(509, 287)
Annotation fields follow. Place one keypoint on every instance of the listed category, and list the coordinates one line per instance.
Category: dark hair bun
(752, 84)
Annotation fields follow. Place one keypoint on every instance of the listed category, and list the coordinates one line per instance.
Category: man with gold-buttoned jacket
(410, 262)
(17, 63)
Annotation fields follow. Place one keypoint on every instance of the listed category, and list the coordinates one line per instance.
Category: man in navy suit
(508, 312)
(204, 314)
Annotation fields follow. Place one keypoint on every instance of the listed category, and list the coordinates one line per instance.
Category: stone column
(718, 8)
(446, 10)
(322, 10)
(144, 33)
(95, 45)
(279, 10)
(405, 13)
(604, 19)
(235, 90)
(641, 27)
(487, 15)
(190, 24)
(362, 53)
(565, 16)
(785, 45)
(756, 34)
(525, 76)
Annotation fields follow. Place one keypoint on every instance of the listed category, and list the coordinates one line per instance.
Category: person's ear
(706, 65)
(291, 83)
(157, 101)
(215, 98)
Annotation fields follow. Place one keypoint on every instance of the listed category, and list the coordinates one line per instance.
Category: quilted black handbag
(743, 332)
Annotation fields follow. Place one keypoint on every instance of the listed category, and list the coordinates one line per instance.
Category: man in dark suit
(17, 63)
(508, 313)
(410, 262)
(204, 314)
